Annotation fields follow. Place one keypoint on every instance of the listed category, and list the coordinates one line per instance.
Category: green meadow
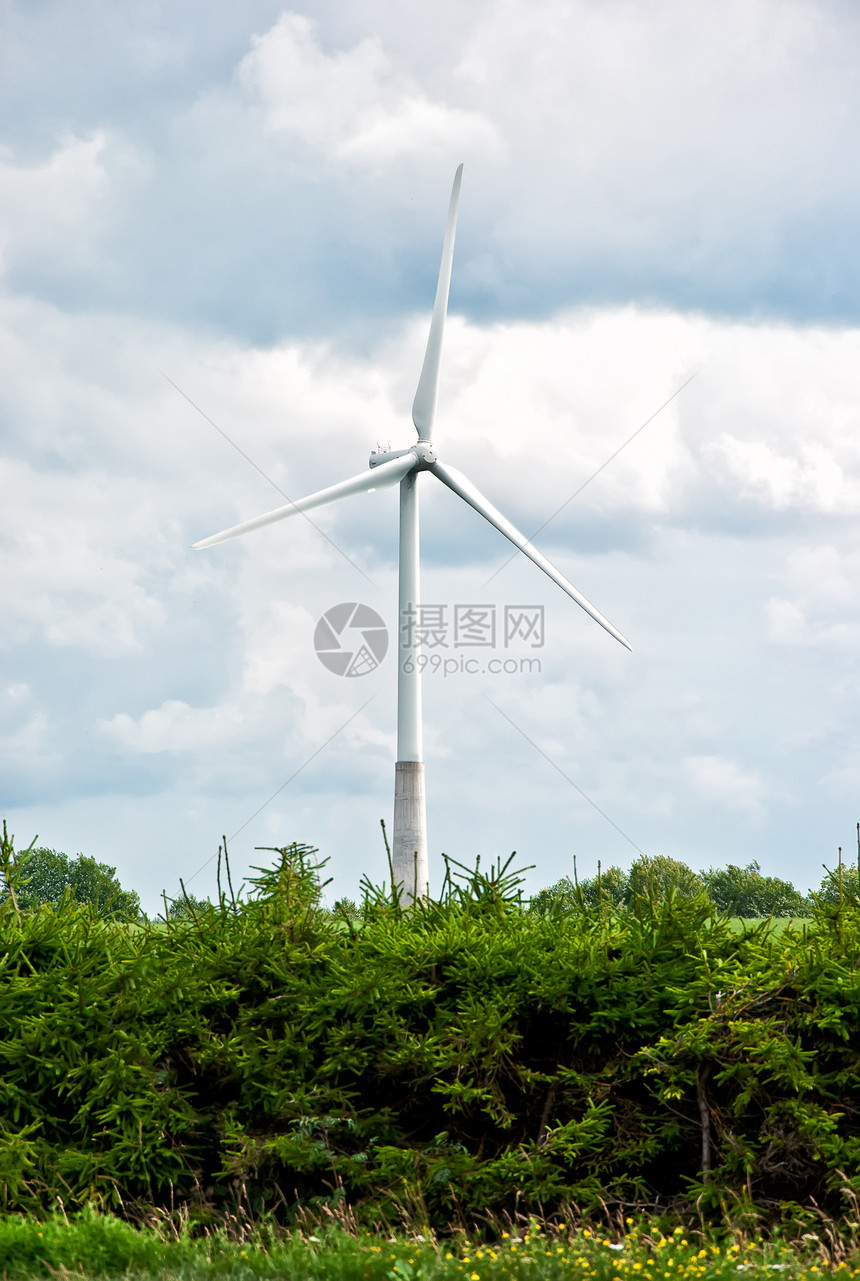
(92, 1245)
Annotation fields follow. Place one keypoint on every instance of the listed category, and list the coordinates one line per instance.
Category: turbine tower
(403, 467)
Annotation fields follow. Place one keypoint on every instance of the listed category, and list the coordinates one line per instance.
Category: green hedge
(464, 1057)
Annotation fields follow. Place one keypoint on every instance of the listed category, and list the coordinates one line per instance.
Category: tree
(610, 888)
(743, 891)
(560, 897)
(566, 895)
(657, 875)
(186, 907)
(837, 887)
(616, 888)
(346, 907)
(46, 875)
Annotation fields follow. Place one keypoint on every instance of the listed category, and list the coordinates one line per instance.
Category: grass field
(99, 1246)
(776, 924)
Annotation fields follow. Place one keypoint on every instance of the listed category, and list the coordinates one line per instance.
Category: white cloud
(69, 583)
(294, 185)
(55, 210)
(844, 779)
(697, 156)
(26, 741)
(54, 195)
(351, 105)
(606, 84)
(723, 782)
(821, 607)
(812, 479)
(176, 727)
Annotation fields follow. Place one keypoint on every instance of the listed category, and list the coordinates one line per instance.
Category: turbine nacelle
(423, 453)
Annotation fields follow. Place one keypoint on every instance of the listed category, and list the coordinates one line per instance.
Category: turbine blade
(374, 478)
(466, 490)
(424, 404)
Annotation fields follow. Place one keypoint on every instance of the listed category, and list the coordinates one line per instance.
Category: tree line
(48, 875)
(738, 891)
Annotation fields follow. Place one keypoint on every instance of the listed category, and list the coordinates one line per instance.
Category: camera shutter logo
(351, 639)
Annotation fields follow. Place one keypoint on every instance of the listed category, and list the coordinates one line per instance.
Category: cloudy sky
(248, 201)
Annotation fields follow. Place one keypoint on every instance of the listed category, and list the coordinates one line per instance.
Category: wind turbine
(403, 467)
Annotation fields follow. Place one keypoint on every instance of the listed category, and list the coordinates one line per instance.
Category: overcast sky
(250, 200)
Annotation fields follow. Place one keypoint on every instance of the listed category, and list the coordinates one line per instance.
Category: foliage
(463, 1058)
(346, 907)
(743, 891)
(738, 891)
(653, 878)
(187, 907)
(562, 897)
(839, 886)
(660, 876)
(609, 887)
(45, 876)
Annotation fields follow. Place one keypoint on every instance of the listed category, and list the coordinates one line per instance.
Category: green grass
(778, 924)
(93, 1246)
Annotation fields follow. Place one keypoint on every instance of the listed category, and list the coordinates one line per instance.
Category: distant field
(778, 924)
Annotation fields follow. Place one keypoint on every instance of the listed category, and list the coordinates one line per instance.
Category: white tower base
(409, 844)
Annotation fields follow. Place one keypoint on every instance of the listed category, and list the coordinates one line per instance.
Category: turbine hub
(425, 454)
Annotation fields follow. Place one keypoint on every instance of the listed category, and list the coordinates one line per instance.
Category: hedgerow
(460, 1059)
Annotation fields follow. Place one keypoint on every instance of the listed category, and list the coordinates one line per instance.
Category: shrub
(461, 1058)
